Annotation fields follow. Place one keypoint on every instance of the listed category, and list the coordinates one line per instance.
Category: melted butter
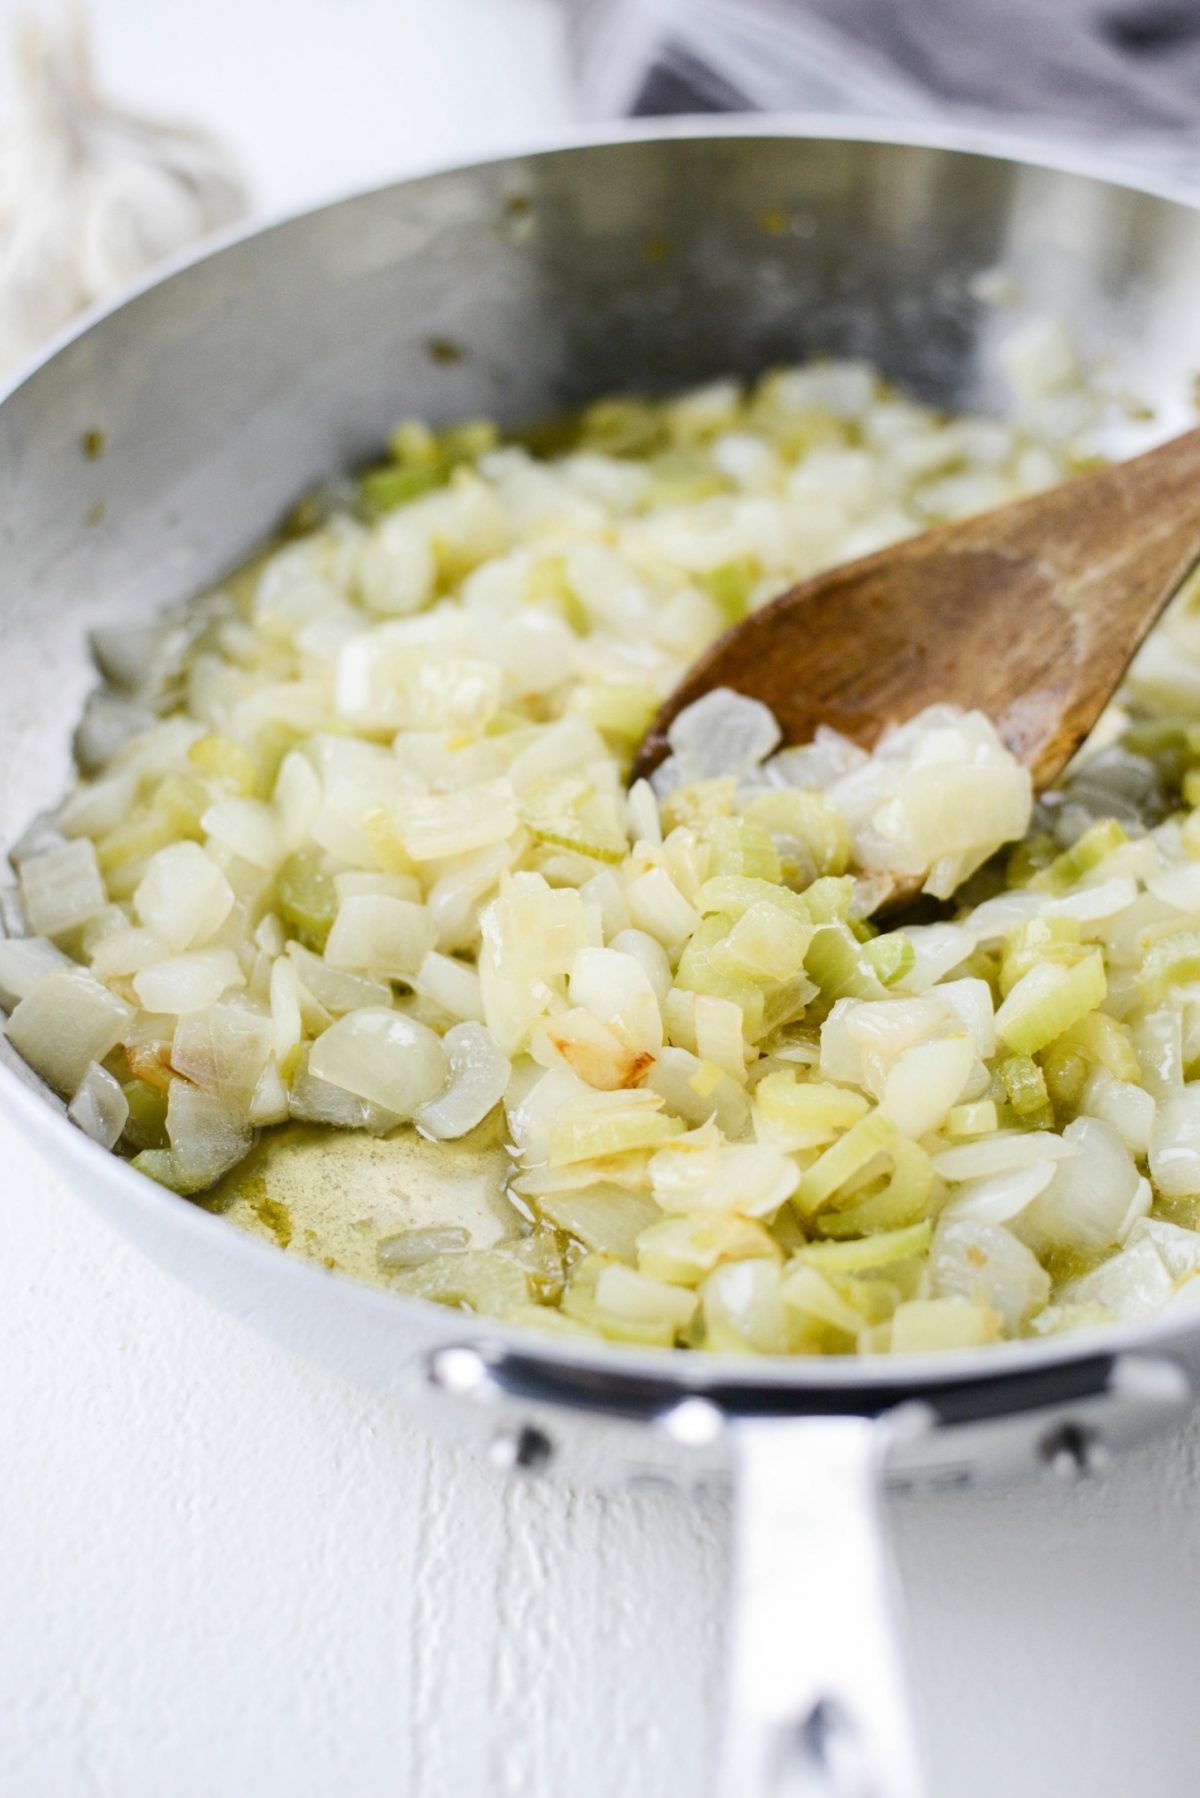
(330, 1195)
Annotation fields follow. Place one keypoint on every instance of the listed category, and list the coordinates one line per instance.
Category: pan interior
(219, 396)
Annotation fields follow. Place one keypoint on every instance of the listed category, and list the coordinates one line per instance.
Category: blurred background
(294, 100)
(316, 95)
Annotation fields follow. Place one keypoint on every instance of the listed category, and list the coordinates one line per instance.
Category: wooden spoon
(1031, 613)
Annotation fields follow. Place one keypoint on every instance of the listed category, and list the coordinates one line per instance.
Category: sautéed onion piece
(351, 851)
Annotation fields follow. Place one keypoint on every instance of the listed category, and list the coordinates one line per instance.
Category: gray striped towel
(1119, 75)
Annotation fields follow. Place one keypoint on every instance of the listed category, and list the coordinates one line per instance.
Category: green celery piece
(891, 956)
(838, 964)
(1025, 1084)
(730, 586)
(1081, 857)
(1172, 961)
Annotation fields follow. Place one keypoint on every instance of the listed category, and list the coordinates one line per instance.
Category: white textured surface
(221, 1570)
(224, 1572)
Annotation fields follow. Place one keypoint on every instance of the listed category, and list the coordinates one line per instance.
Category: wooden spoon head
(871, 643)
(1030, 613)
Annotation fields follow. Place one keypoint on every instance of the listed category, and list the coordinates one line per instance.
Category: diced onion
(206, 1134)
(723, 733)
(188, 982)
(997, 1198)
(65, 1022)
(1175, 1144)
(1088, 1200)
(99, 1107)
(23, 961)
(986, 1264)
(377, 933)
(924, 1326)
(383, 1057)
(62, 888)
(479, 1074)
(183, 898)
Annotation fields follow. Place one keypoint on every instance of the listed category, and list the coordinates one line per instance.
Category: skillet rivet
(526, 1449)
(458, 1369)
(694, 1422)
(1072, 1451)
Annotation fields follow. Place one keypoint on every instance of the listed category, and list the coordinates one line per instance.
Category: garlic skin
(92, 196)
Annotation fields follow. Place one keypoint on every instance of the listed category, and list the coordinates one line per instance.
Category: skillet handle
(817, 1705)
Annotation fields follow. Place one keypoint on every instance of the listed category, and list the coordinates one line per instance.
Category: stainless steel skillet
(222, 392)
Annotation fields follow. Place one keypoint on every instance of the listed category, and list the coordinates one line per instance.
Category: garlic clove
(92, 196)
(134, 214)
(41, 287)
(191, 157)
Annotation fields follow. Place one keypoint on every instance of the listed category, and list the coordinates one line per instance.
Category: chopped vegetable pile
(352, 847)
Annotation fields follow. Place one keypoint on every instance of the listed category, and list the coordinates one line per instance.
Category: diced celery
(696, 806)
(684, 1249)
(921, 1326)
(829, 899)
(1172, 961)
(892, 956)
(1083, 855)
(903, 1201)
(848, 1156)
(622, 427)
(806, 1114)
(412, 444)
(699, 973)
(226, 760)
(681, 477)
(581, 1303)
(1025, 1085)
(1030, 858)
(741, 848)
(590, 1136)
(731, 585)
(812, 820)
(467, 441)
(764, 944)
(810, 1293)
(867, 1251)
(837, 962)
(707, 1078)
(386, 487)
(1048, 1000)
(1105, 1042)
(1039, 940)
(481, 1279)
(422, 462)
(617, 708)
(732, 896)
(1065, 1069)
(568, 812)
(146, 1125)
(306, 898)
(975, 1119)
(553, 1323)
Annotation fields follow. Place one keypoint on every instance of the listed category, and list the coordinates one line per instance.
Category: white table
(224, 1572)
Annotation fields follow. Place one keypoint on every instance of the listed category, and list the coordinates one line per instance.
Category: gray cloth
(1121, 74)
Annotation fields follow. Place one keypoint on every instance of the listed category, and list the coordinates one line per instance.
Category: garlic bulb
(91, 197)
